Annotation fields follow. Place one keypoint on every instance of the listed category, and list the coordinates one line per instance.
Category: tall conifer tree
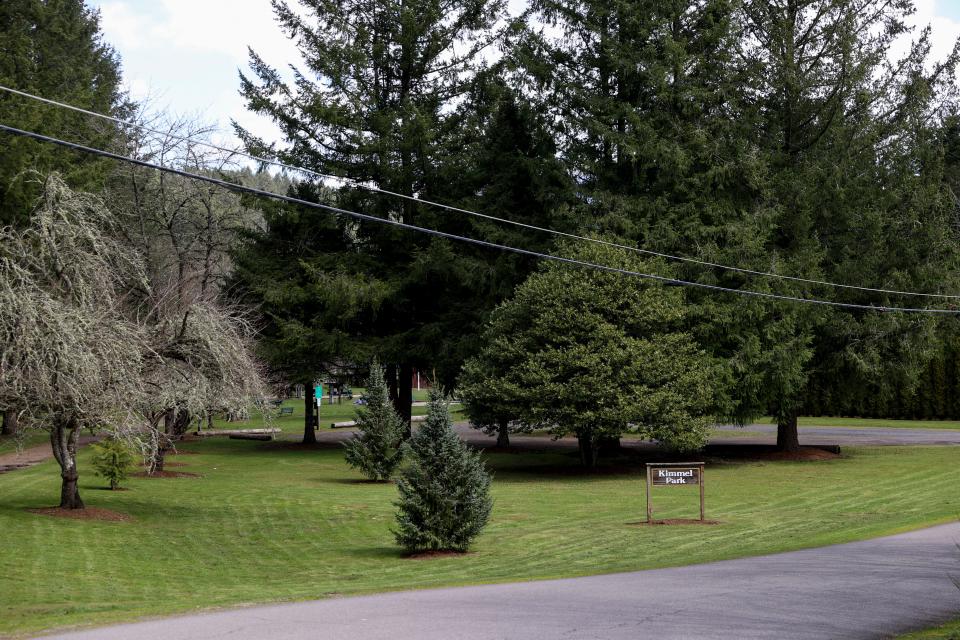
(376, 100)
(53, 48)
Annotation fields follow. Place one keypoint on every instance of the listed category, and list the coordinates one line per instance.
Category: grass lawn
(949, 631)
(9, 444)
(270, 522)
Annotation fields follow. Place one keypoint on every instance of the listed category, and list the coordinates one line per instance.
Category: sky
(186, 54)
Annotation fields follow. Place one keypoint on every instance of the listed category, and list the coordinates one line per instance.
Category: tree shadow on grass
(631, 461)
(357, 481)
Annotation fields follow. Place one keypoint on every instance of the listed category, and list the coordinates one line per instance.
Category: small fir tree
(113, 460)
(444, 490)
(376, 450)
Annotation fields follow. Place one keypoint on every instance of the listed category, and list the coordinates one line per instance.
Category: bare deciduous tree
(184, 229)
(71, 356)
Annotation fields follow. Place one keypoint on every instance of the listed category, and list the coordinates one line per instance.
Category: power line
(450, 236)
(367, 187)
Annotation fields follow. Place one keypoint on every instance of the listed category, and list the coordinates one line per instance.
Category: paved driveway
(868, 589)
(767, 434)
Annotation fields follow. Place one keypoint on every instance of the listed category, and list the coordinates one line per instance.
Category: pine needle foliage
(444, 489)
(113, 460)
(377, 449)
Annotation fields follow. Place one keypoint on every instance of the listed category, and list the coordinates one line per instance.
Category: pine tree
(851, 194)
(377, 449)
(444, 490)
(53, 48)
(113, 460)
(623, 363)
(376, 100)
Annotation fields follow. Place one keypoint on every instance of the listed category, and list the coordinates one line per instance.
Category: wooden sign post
(673, 474)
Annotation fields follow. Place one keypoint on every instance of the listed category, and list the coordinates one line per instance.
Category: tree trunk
(788, 439)
(175, 424)
(159, 458)
(588, 450)
(405, 395)
(64, 437)
(309, 400)
(608, 445)
(391, 373)
(11, 421)
(503, 434)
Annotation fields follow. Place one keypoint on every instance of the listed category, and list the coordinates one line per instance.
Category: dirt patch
(166, 474)
(427, 555)
(770, 452)
(174, 464)
(805, 454)
(109, 489)
(670, 521)
(182, 452)
(90, 513)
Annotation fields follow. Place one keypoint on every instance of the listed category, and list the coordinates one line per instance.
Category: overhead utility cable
(442, 234)
(361, 185)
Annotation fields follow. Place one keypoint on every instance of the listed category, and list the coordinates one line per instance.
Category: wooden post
(701, 493)
(649, 510)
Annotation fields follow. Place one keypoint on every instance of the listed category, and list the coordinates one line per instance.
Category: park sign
(673, 474)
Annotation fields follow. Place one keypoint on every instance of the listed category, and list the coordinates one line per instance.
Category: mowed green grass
(25, 440)
(949, 631)
(271, 522)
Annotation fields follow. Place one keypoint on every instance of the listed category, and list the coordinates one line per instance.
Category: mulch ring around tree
(89, 513)
(166, 474)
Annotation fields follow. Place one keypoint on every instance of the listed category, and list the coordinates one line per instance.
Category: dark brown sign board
(673, 474)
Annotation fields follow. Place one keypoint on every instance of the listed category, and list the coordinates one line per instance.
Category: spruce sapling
(444, 489)
(376, 450)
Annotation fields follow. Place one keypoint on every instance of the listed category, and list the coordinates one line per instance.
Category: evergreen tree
(852, 193)
(621, 363)
(376, 102)
(53, 48)
(376, 450)
(444, 489)
(113, 460)
(310, 309)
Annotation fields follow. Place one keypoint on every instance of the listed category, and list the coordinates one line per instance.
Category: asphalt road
(869, 589)
(750, 434)
(767, 434)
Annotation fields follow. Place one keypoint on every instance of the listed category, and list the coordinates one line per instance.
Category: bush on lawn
(444, 489)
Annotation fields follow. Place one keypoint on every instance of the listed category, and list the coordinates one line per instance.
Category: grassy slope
(270, 522)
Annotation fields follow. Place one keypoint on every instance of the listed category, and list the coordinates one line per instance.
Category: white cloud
(944, 30)
(186, 52)
(224, 27)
